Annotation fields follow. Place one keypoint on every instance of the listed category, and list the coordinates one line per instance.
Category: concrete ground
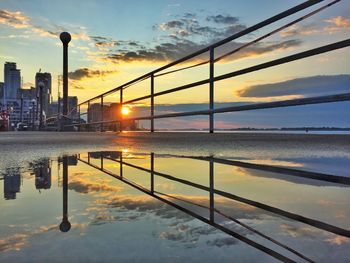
(16, 147)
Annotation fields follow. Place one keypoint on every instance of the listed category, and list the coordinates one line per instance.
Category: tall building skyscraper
(45, 80)
(1, 90)
(12, 80)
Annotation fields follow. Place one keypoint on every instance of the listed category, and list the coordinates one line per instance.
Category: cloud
(171, 25)
(339, 22)
(13, 19)
(84, 73)
(169, 51)
(187, 34)
(103, 41)
(329, 26)
(308, 86)
(222, 19)
(20, 21)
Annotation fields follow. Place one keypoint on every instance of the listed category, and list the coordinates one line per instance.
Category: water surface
(103, 206)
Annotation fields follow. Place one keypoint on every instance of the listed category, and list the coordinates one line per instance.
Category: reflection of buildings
(111, 112)
(71, 160)
(42, 171)
(105, 154)
(12, 183)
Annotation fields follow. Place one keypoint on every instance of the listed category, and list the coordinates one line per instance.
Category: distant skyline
(116, 41)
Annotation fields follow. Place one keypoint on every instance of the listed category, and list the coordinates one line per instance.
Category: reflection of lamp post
(65, 224)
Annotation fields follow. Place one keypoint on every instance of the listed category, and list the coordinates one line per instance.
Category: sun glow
(126, 110)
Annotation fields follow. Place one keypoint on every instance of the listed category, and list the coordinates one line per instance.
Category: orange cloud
(13, 19)
(340, 22)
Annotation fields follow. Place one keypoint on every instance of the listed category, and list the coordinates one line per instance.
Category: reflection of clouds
(338, 240)
(275, 162)
(20, 240)
(82, 185)
(17, 241)
(220, 242)
(299, 231)
(182, 227)
(189, 235)
(142, 205)
(14, 242)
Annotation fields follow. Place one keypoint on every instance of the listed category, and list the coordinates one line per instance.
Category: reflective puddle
(143, 206)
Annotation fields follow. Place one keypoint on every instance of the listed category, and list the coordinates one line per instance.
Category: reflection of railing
(211, 190)
(212, 78)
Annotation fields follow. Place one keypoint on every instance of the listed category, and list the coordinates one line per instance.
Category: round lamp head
(65, 38)
(65, 226)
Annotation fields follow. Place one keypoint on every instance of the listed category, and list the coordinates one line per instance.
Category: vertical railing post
(211, 90)
(211, 187)
(152, 173)
(65, 38)
(79, 123)
(121, 108)
(101, 159)
(101, 128)
(88, 117)
(152, 102)
(121, 164)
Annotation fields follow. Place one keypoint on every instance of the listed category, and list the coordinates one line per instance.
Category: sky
(116, 41)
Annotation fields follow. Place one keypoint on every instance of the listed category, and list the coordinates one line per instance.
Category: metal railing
(212, 79)
(214, 212)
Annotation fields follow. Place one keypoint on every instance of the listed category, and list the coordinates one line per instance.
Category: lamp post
(65, 38)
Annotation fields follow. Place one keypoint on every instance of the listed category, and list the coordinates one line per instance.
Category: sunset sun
(126, 110)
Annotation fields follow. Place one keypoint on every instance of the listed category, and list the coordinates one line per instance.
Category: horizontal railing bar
(279, 170)
(272, 63)
(298, 56)
(287, 103)
(246, 31)
(197, 216)
(278, 211)
(257, 106)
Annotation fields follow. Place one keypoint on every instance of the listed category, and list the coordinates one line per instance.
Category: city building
(58, 105)
(1, 90)
(43, 80)
(111, 112)
(12, 80)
